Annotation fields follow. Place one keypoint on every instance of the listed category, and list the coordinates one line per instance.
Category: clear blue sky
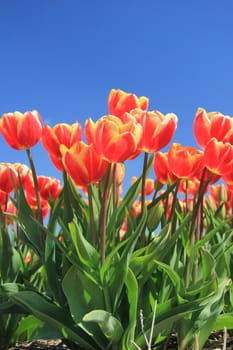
(62, 57)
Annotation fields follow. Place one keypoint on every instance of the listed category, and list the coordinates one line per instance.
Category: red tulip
(112, 139)
(21, 131)
(218, 157)
(184, 161)
(212, 124)
(60, 134)
(149, 185)
(8, 177)
(157, 129)
(120, 102)
(25, 174)
(83, 164)
(49, 188)
(161, 169)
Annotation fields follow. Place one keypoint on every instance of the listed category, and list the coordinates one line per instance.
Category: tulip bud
(154, 216)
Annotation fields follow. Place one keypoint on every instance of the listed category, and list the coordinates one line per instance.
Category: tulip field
(100, 267)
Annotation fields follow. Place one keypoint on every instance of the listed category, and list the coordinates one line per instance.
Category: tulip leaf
(132, 295)
(82, 292)
(53, 315)
(224, 321)
(86, 252)
(110, 326)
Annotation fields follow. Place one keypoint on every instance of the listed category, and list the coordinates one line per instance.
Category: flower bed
(104, 268)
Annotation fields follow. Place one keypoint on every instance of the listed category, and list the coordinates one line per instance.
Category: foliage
(109, 271)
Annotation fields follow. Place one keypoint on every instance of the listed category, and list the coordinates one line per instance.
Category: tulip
(185, 162)
(21, 131)
(24, 173)
(112, 139)
(120, 102)
(60, 134)
(157, 129)
(189, 187)
(161, 169)
(212, 124)
(83, 164)
(218, 157)
(33, 203)
(149, 185)
(49, 188)
(8, 177)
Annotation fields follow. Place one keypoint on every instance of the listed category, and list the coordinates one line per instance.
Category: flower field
(84, 261)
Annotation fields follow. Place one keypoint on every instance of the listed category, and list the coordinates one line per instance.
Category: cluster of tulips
(114, 246)
(128, 130)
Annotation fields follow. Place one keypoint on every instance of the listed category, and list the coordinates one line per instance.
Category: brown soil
(217, 341)
(41, 345)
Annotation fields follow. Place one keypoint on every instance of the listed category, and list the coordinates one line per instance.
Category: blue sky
(62, 57)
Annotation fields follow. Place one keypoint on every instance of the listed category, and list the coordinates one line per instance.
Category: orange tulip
(24, 173)
(149, 185)
(218, 157)
(21, 131)
(120, 102)
(3, 200)
(60, 134)
(161, 169)
(83, 164)
(112, 139)
(157, 129)
(49, 188)
(185, 162)
(8, 177)
(32, 202)
(189, 187)
(212, 124)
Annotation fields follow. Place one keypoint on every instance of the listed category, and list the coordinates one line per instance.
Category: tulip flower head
(218, 157)
(161, 169)
(185, 162)
(212, 124)
(60, 134)
(83, 164)
(21, 131)
(120, 102)
(112, 139)
(157, 129)
(8, 177)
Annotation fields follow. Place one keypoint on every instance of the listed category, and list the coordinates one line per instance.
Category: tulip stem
(37, 193)
(143, 195)
(103, 214)
(115, 196)
(92, 221)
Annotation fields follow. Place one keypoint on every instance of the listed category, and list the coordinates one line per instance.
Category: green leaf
(110, 326)
(127, 202)
(208, 264)
(6, 254)
(224, 320)
(121, 268)
(132, 295)
(82, 292)
(86, 252)
(54, 316)
(30, 229)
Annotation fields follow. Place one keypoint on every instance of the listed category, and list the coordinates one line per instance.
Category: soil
(41, 345)
(217, 340)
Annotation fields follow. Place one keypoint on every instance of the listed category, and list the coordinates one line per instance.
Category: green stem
(39, 215)
(36, 187)
(196, 224)
(92, 220)
(103, 214)
(143, 195)
(114, 183)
